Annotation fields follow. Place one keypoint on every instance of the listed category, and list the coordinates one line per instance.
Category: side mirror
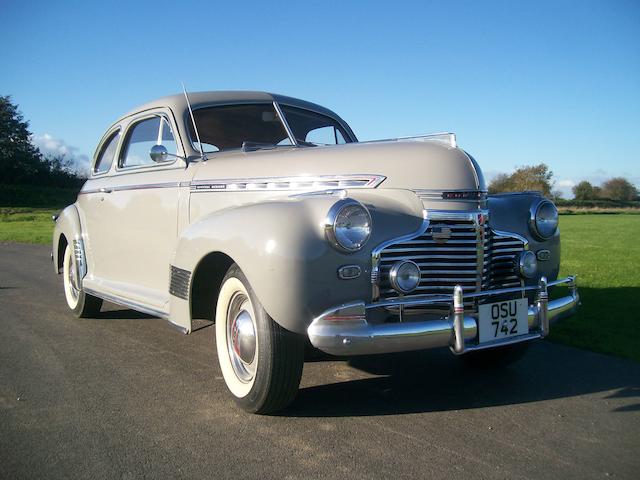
(158, 153)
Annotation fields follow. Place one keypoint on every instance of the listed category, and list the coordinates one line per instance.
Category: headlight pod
(348, 225)
(543, 222)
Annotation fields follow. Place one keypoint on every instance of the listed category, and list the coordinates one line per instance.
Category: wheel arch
(206, 281)
(67, 229)
(59, 255)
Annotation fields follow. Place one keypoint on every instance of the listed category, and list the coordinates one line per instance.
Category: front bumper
(345, 330)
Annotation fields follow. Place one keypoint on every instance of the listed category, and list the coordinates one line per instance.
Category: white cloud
(49, 145)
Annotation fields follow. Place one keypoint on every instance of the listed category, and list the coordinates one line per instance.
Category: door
(138, 213)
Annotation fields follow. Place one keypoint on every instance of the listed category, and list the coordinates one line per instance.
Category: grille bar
(455, 252)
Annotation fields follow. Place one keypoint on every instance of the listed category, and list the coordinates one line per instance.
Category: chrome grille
(443, 264)
(473, 256)
(501, 270)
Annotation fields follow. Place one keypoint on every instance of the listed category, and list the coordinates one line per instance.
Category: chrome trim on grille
(469, 254)
(375, 254)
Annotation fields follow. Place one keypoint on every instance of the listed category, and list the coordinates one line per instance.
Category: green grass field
(603, 250)
(26, 225)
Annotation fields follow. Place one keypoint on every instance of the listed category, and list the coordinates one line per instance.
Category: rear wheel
(82, 304)
(261, 362)
(498, 357)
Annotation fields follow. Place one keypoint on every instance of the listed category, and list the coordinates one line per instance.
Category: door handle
(106, 190)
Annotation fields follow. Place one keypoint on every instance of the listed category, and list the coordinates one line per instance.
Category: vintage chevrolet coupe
(265, 214)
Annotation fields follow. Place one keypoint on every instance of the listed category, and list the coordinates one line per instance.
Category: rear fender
(68, 231)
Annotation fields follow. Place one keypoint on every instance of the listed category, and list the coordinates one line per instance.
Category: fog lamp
(528, 264)
(404, 276)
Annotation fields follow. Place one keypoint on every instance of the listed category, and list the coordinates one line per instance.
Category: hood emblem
(441, 234)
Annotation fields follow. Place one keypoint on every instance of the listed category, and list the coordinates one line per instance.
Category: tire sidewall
(248, 394)
(77, 304)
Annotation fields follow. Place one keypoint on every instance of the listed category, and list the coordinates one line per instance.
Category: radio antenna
(193, 120)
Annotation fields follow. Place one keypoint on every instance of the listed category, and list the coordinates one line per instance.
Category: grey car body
(160, 235)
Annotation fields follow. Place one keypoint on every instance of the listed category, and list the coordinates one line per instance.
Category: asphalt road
(126, 396)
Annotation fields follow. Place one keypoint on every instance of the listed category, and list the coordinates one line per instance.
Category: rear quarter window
(107, 153)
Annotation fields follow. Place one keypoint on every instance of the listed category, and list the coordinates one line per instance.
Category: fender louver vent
(179, 283)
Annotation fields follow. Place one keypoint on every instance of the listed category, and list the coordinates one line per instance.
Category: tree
(20, 160)
(536, 177)
(619, 189)
(585, 191)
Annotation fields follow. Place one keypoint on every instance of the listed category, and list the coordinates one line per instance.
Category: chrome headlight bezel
(331, 225)
(536, 225)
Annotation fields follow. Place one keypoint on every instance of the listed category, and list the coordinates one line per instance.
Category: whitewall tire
(82, 304)
(261, 362)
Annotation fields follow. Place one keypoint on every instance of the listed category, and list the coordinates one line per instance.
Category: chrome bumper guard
(345, 331)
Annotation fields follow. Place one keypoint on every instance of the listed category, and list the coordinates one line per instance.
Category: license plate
(503, 320)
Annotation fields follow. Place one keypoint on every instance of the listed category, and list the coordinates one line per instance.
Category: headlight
(348, 225)
(528, 264)
(543, 222)
(404, 276)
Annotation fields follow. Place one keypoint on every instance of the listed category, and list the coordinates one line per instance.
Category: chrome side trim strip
(288, 183)
(262, 184)
(128, 303)
(140, 186)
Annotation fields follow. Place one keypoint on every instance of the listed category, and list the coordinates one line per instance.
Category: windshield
(312, 127)
(231, 127)
(228, 127)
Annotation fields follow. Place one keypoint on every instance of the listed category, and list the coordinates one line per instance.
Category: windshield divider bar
(285, 124)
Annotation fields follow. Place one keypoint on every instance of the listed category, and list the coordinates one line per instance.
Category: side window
(325, 136)
(107, 154)
(144, 135)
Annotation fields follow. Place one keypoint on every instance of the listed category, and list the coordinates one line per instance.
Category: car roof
(178, 104)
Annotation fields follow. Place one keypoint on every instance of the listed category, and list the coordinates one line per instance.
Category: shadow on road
(435, 381)
(123, 314)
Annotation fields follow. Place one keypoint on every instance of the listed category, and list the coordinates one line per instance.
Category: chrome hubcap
(72, 279)
(241, 338)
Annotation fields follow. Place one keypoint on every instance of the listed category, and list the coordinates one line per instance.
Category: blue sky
(519, 82)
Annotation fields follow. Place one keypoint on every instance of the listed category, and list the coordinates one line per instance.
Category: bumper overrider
(344, 330)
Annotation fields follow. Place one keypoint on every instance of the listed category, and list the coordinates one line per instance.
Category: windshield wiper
(304, 143)
(253, 146)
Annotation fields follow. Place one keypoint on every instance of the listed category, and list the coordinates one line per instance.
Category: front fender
(511, 212)
(67, 225)
(281, 247)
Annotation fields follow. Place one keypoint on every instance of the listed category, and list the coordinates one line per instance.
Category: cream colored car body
(158, 238)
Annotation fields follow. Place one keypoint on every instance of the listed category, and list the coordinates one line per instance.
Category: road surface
(126, 396)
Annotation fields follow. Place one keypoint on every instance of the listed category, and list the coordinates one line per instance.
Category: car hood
(412, 165)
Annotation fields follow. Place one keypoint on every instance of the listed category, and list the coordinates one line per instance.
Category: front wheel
(82, 304)
(261, 362)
